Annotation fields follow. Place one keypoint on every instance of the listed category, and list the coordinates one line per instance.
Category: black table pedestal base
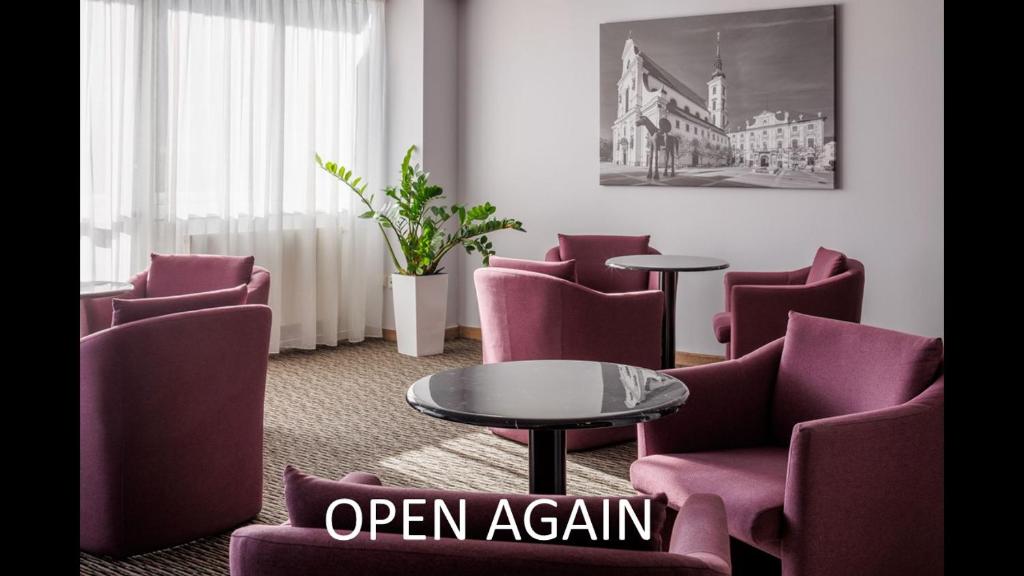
(668, 329)
(547, 461)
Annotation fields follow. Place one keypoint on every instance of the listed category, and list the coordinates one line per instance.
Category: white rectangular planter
(421, 307)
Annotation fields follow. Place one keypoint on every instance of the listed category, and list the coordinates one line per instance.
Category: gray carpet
(335, 410)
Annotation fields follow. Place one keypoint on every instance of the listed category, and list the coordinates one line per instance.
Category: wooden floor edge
(696, 359)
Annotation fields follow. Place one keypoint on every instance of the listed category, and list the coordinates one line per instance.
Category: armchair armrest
(700, 531)
(653, 278)
(742, 278)
(553, 255)
(259, 286)
(97, 313)
(728, 406)
(760, 313)
(140, 282)
(864, 491)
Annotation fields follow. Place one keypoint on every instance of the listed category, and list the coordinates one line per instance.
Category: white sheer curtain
(199, 124)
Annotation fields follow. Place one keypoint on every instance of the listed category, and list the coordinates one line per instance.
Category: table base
(667, 283)
(547, 461)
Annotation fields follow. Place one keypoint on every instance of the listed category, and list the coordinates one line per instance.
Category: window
(794, 144)
(627, 98)
(677, 124)
(714, 104)
(232, 111)
(795, 130)
(686, 109)
(810, 142)
(714, 89)
(778, 131)
(810, 127)
(687, 127)
(778, 144)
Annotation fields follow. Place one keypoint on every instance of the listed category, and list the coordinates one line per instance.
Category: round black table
(669, 265)
(102, 288)
(548, 397)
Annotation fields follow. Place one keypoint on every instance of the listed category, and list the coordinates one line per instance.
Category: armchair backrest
(531, 316)
(831, 368)
(826, 263)
(592, 272)
(176, 274)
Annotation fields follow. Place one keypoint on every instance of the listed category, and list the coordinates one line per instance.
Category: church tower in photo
(716, 89)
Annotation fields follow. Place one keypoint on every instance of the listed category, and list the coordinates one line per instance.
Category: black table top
(667, 262)
(548, 394)
(102, 288)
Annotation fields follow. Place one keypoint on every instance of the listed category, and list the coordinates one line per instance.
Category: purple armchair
(183, 274)
(826, 446)
(171, 428)
(590, 253)
(699, 546)
(757, 303)
(527, 315)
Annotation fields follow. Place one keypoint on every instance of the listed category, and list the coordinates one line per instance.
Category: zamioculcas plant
(420, 226)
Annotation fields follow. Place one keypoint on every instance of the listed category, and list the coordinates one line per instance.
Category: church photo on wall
(740, 100)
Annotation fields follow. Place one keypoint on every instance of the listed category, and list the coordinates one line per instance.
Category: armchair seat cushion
(751, 482)
(722, 324)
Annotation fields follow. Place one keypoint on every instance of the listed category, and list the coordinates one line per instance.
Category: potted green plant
(424, 232)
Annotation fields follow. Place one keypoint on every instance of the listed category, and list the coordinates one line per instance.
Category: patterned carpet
(335, 410)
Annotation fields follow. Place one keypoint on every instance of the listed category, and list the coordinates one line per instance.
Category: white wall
(422, 109)
(440, 120)
(528, 142)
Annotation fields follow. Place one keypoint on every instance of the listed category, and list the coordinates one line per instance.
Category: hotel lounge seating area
(358, 298)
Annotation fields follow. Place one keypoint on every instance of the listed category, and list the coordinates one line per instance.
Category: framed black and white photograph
(745, 99)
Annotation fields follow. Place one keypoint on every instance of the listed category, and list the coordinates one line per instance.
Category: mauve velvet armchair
(614, 280)
(698, 546)
(194, 277)
(171, 428)
(826, 446)
(757, 303)
(532, 316)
